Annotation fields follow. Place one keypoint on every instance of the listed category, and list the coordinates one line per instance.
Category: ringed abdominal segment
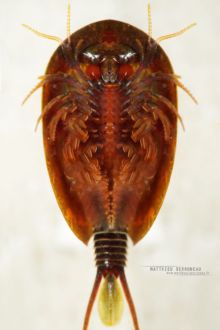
(109, 127)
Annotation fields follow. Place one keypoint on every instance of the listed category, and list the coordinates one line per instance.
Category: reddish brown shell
(109, 128)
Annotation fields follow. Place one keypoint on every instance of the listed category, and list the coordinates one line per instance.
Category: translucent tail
(110, 302)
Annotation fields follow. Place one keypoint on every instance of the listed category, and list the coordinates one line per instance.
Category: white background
(46, 274)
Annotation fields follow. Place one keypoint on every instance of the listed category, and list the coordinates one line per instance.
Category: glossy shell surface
(109, 128)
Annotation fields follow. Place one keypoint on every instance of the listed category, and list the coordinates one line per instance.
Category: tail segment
(110, 250)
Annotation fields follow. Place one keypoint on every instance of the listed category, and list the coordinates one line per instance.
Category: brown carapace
(109, 130)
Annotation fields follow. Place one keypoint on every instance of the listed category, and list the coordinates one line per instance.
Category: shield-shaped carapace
(109, 131)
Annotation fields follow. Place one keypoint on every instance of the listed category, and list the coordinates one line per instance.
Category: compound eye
(93, 71)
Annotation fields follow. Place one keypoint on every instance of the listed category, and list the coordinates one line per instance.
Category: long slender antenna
(43, 35)
(128, 297)
(149, 20)
(92, 299)
(176, 34)
(68, 21)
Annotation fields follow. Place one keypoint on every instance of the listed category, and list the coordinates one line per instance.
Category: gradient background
(46, 274)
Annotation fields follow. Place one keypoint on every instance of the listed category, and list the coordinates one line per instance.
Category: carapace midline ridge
(109, 118)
